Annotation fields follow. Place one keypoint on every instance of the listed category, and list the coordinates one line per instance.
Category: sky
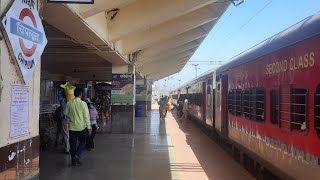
(238, 29)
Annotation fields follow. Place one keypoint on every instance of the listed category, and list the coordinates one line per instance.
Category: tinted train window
(284, 107)
(230, 102)
(259, 104)
(274, 106)
(246, 104)
(317, 111)
(238, 102)
(235, 102)
(299, 108)
(254, 104)
(293, 108)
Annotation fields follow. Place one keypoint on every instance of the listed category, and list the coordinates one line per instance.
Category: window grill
(299, 108)
(259, 104)
(317, 111)
(246, 104)
(293, 108)
(254, 104)
(230, 102)
(285, 115)
(235, 102)
(274, 106)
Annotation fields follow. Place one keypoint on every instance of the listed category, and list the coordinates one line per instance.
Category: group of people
(165, 105)
(77, 121)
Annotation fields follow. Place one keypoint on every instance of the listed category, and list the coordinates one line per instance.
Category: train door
(224, 117)
(213, 109)
(204, 101)
(218, 107)
(209, 103)
(224, 105)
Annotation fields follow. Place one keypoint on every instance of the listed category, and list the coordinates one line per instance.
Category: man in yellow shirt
(78, 112)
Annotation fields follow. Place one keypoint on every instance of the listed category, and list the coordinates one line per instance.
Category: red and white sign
(26, 34)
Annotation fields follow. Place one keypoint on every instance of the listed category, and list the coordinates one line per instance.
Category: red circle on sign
(27, 13)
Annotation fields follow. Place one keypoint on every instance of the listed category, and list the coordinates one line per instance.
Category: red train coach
(200, 94)
(268, 102)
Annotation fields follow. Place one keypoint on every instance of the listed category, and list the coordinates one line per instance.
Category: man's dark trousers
(75, 136)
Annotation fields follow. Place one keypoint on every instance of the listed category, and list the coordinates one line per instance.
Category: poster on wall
(141, 93)
(26, 35)
(122, 89)
(19, 111)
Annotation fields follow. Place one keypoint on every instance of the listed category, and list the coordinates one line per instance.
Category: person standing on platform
(169, 104)
(185, 110)
(93, 121)
(104, 110)
(64, 120)
(162, 107)
(166, 100)
(78, 112)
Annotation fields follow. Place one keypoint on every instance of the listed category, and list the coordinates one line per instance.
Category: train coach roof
(296, 33)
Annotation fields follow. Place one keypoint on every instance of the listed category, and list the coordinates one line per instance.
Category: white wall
(99, 24)
(10, 74)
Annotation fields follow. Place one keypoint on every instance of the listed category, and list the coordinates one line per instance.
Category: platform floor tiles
(158, 150)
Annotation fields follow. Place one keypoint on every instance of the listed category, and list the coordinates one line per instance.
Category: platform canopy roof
(159, 36)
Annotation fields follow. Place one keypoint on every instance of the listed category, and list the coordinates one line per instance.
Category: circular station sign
(26, 35)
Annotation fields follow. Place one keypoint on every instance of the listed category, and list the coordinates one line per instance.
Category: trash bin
(139, 111)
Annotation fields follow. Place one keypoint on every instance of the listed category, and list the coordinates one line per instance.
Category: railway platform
(158, 149)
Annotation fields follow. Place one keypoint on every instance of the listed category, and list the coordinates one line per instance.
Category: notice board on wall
(122, 89)
(19, 111)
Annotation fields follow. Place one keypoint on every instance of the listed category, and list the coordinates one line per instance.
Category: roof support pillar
(123, 99)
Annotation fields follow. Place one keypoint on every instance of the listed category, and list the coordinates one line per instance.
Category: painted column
(141, 98)
(149, 95)
(123, 99)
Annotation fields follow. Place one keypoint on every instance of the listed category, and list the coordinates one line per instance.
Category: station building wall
(19, 157)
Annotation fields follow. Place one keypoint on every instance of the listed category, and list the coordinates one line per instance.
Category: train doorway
(224, 115)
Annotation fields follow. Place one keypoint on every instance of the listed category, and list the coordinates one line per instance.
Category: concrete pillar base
(148, 105)
(122, 119)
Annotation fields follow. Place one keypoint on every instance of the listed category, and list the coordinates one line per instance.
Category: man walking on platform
(78, 112)
(62, 123)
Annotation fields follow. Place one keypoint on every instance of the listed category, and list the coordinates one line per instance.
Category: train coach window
(298, 108)
(238, 102)
(259, 104)
(230, 102)
(254, 104)
(235, 102)
(317, 111)
(247, 111)
(274, 106)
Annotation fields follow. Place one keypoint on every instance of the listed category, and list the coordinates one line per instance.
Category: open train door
(204, 102)
(221, 113)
